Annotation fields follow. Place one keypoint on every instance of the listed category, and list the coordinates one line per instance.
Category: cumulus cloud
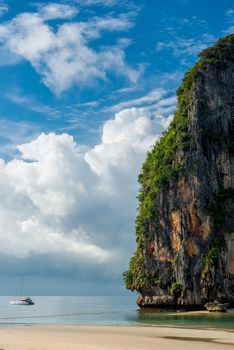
(63, 56)
(124, 143)
(56, 200)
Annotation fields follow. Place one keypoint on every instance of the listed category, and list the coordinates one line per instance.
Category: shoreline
(137, 325)
(77, 337)
(163, 323)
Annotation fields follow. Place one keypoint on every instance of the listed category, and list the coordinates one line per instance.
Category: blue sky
(87, 87)
(162, 41)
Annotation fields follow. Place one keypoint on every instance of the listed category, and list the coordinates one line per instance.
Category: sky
(87, 88)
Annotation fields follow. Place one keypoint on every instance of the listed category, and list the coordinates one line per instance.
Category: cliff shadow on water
(185, 222)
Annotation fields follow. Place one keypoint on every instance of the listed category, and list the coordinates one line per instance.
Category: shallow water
(102, 311)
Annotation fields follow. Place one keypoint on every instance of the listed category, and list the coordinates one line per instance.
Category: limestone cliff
(185, 223)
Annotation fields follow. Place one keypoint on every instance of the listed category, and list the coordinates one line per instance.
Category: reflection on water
(219, 320)
(102, 311)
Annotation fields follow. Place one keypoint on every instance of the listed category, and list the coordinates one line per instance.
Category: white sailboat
(21, 300)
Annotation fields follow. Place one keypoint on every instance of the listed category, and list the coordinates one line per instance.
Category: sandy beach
(68, 337)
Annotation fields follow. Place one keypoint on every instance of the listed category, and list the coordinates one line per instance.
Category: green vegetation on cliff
(176, 289)
(165, 163)
(161, 166)
(209, 260)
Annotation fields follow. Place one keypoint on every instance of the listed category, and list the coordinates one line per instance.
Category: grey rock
(190, 239)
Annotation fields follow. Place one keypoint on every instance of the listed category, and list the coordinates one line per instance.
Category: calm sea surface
(101, 311)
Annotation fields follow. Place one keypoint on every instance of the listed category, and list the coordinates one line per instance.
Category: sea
(102, 311)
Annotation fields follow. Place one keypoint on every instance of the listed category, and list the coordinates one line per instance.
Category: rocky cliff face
(185, 226)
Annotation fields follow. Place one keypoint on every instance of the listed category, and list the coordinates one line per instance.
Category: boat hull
(21, 302)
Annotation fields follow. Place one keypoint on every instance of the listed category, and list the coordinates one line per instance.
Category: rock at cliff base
(216, 306)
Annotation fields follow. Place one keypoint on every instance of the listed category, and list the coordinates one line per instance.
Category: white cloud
(186, 46)
(229, 13)
(14, 132)
(230, 21)
(3, 9)
(156, 104)
(57, 11)
(63, 56)
(8, 58)
(149, 98)
(29, 102)
(124, 143)
(113, 23)
(55, 199)
(184, 36)
(230, 30)
(27, 36)
(98, 2)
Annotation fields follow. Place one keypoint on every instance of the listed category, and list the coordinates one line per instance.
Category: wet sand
(75, 337)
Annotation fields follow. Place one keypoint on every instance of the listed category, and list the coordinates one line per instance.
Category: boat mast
(21, 282)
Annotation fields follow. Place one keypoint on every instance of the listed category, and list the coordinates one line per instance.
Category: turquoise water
(102, 311)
